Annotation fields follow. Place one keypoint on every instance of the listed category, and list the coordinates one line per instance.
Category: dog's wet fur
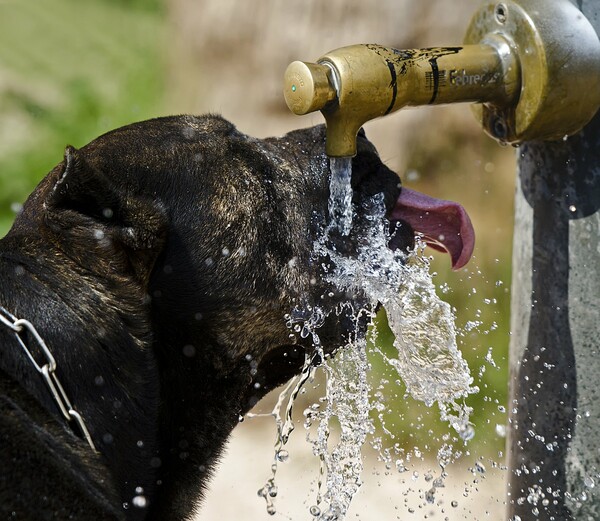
(157, 263)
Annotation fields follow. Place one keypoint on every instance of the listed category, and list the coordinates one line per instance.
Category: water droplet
(139, 501)
(454, 504)
(315, 511)
(589, 482)
(430, 496)
(467, 433)
(283, 455)
(412, 176)
(501, 430)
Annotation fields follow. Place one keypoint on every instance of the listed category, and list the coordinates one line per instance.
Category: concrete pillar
(554, 403)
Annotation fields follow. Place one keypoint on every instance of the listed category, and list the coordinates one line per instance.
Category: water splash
(347, 401)
(428, 360)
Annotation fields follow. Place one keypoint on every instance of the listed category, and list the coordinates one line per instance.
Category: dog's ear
(87, 205)
(82, 188)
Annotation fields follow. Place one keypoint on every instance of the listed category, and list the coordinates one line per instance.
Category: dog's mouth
(445, 225)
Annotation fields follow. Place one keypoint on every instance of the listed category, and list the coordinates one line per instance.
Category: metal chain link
(47, 370)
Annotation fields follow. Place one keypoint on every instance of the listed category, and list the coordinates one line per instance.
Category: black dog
(157, 264)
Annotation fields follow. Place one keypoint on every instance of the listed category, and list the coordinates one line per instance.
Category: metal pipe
(554, 420)
(355, 84)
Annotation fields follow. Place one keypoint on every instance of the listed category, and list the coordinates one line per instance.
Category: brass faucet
(533, 66)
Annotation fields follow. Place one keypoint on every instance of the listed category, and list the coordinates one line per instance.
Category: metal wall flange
(558, 54)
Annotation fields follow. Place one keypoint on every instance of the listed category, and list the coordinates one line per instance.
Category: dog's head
(160, 263)
(209, 235)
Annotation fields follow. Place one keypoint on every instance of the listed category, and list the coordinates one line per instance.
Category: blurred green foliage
(142, 5)
(71, 70)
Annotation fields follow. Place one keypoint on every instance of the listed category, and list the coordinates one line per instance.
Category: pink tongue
(445, 225)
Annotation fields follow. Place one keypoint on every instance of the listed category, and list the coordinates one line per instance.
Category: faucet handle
(307, 87)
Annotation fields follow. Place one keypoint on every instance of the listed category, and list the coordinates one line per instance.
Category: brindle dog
(157, 264)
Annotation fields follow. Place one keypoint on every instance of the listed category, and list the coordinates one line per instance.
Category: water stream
(340, 194)
(428, 360)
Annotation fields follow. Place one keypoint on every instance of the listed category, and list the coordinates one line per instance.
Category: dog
(156, 265)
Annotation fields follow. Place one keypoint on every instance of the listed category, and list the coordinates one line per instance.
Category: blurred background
(71, 70)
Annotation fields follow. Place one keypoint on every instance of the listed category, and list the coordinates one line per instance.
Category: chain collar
(46, 369)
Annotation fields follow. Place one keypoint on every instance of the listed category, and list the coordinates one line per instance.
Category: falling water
(285, 426)
(340, 193)
(347, 401)
(428, 360)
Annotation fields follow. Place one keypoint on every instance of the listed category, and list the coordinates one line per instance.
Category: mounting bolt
(501, 13)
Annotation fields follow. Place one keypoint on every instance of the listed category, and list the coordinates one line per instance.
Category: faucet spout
(355, 84)
(531, 67)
